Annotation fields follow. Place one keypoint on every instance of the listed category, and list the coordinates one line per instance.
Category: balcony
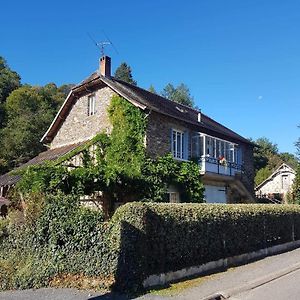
(213, 165)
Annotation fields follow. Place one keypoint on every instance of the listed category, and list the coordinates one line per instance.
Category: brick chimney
(105, 66)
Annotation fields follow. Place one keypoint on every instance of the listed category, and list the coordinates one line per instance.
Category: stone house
(277, 185)
(225, 158)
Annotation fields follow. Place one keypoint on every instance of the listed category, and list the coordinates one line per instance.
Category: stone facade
(79, 126)
(158, 133)
(158, 143)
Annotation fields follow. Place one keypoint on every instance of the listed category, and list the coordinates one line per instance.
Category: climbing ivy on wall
(120, 167)
(126, 153)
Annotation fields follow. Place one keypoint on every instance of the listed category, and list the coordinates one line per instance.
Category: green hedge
(158, 238)
(61, 238)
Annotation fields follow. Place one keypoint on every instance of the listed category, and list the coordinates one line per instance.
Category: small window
(178, 144)
(91, 105)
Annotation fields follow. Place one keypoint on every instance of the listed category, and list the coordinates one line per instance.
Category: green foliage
(29, 112)
(141, 239)
(63, 238)
(180, 94)
(9, 81)
(121, 168)
(159, 173)
(159, 238)
(261, 175)
(152, 89)
(296, 187)
(126, 152)
(267, 158)
(124, 73)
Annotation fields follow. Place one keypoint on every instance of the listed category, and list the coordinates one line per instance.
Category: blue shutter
(186, 145)
(171, 139)
(239, 156)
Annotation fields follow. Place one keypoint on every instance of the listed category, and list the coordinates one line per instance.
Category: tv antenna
(102, 44)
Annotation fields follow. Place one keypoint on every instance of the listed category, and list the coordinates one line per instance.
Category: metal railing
(227, 168)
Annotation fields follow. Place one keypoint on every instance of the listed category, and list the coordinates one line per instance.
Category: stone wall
(158, 133)
(79, 126)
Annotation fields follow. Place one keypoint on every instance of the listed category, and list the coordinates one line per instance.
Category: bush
(65, 238)
(158, 238)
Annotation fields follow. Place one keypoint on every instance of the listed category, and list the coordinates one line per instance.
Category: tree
(267, 158)
(296, 187)
(180, 94)
(30, 111)
(263, 153)
(290, 159)
(9, 81)
(124, 73)
(297, 144)
(152, 89)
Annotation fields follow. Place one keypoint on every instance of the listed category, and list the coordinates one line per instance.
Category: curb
(223, 263)
(252, 284)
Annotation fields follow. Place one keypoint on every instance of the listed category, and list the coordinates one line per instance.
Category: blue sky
(240, 59)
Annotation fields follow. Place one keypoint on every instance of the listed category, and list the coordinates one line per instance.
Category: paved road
(240, 277)
(286, 287)
(226, 282)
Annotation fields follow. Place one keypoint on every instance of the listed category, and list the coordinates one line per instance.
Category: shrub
(65, 238)
(158, 238)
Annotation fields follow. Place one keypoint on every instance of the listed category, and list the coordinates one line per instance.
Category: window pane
(178, 144)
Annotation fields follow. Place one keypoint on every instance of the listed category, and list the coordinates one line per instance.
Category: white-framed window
(203, 144)
(178, 144)
(91, 105)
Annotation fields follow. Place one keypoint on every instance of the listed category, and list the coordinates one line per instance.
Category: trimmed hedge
(61, 239)
(158, 238)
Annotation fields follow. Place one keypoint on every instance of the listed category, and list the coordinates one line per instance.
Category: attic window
(91, 105)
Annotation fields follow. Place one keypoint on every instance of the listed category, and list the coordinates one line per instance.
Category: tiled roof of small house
(145, 100)
(12, 178)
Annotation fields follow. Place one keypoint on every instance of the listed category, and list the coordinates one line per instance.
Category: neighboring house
(278, 185)
(225, 158)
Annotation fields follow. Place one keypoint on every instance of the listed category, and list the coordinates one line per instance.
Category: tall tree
(30, 110)
(9, 81)
(123, 72)
(152, 89)
(180, 94)
(297, 144)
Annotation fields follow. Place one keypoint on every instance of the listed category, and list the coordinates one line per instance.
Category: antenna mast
(101, 45)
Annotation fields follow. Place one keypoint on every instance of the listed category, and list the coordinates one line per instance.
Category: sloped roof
(145, 100)
(11, 178)
(281, 169)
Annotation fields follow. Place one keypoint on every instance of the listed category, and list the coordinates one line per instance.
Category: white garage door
(215, 194)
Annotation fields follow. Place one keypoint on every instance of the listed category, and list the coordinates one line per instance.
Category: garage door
(215, 194)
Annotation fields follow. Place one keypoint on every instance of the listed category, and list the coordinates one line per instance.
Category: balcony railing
(213, 165)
